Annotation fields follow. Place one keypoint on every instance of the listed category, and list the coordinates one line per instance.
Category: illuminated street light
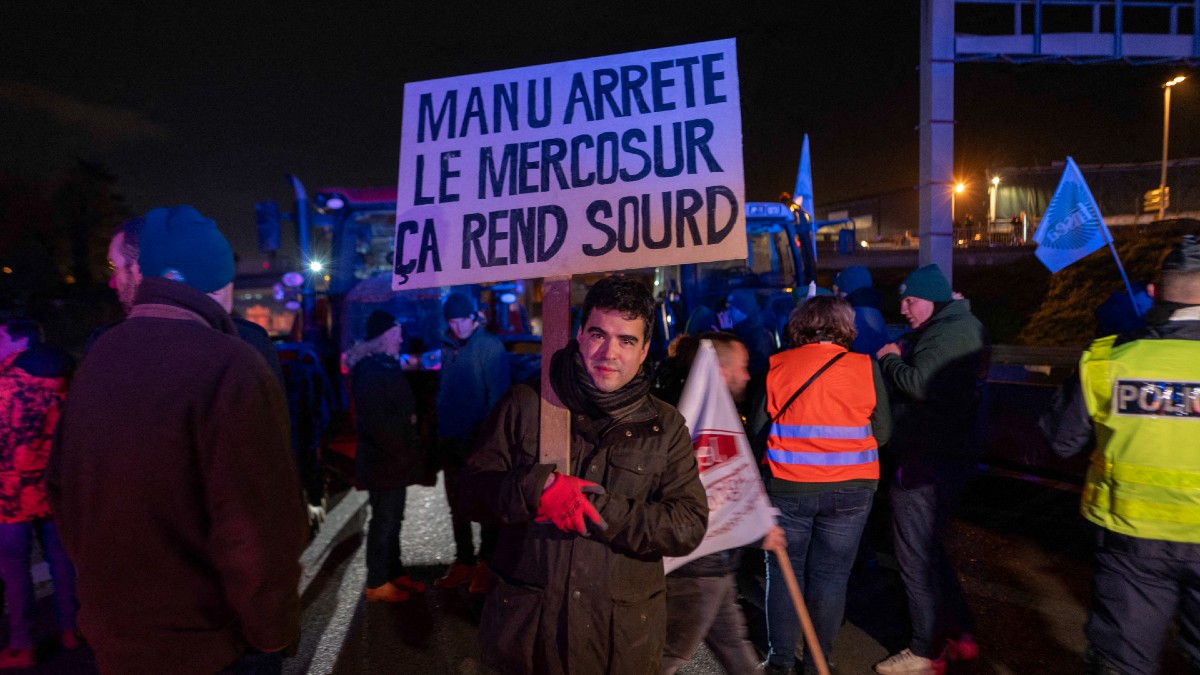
(315, 265)
(992, 202)
(1162, 180)
(958, 187)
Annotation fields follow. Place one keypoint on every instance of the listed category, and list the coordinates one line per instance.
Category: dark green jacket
(936, 388)
(590, 604)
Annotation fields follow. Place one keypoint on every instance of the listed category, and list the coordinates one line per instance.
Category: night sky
(212, 103)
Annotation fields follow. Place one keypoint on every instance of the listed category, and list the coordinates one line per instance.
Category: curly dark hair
(823, 318)
(624, 294)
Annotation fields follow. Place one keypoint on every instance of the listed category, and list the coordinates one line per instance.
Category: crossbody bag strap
(804, 386)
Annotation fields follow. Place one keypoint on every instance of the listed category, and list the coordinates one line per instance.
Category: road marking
(349, 594)
(332, 531)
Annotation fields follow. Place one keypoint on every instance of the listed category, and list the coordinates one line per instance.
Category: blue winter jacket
(475, 374)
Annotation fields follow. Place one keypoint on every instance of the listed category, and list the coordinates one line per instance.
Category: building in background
(1021, 196)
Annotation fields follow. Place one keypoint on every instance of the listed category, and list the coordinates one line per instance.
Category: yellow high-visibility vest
(1144, 399)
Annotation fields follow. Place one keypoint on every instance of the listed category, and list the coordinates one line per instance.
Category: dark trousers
(922, 504)
(16, 542)
(705, 609)
(464, 541)
(1139, 587)
(383, 536)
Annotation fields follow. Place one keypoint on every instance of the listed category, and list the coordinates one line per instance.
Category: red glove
(564, 505)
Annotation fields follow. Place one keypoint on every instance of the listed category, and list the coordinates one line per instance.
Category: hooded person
(856, 285)
(194, 566)
(1121, 314)
(475, 374)
(754, 327)
(936, 392)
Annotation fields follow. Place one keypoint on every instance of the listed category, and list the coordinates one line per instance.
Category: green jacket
(566, 603)
(936, 387)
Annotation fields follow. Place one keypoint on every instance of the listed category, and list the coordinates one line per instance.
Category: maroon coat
(175, 491)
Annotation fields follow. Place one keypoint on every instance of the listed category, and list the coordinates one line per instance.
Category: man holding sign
(579, 561)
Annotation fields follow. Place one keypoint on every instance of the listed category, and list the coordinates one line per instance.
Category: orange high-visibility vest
(825, 435)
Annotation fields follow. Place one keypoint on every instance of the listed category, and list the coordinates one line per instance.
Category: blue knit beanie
(927, 283)
(178, 243)
(853, 278)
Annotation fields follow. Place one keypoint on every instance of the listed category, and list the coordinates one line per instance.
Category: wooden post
(806, 625)
(555, 439)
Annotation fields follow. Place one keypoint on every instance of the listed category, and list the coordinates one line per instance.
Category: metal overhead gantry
(1137, 32)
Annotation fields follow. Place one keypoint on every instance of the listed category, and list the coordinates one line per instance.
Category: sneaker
(963, 649)
(386, 593)
(908, 663)
(459, 574)
(70, 639)
(409, 584)
(12, 657)
(481, 580)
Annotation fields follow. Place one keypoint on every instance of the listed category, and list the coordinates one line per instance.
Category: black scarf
(1161, 312)
(576, 390)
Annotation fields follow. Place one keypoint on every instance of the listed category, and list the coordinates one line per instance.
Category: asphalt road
(1022, 550)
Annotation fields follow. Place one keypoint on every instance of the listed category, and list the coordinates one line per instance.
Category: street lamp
(958, 187)
(1162, 180)
(992, 202)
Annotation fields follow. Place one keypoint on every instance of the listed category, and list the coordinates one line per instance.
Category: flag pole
(1121, 268)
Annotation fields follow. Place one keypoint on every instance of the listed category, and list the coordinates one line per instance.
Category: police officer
(1141, 391)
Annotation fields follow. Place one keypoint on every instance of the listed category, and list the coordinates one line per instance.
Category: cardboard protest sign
(739, 512)
(609, 163)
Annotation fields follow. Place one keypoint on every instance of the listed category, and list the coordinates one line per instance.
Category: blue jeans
(823, 530)
(16, 542)
(383, 536)
(922, 502)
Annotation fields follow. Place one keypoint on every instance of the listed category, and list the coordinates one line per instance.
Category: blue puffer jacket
(474, 376)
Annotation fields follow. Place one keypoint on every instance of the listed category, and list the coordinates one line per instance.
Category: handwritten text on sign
(600, 164)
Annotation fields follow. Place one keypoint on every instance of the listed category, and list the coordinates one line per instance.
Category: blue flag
(804, 189)
(1072, 226)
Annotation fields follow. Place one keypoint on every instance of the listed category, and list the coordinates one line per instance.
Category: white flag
(1072, 226)
(738, 510)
